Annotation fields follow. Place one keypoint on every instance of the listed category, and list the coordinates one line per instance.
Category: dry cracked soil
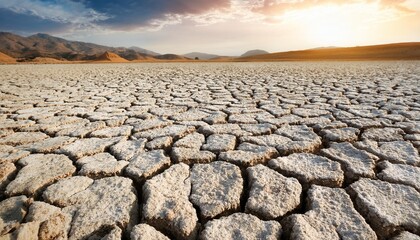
(326, 150)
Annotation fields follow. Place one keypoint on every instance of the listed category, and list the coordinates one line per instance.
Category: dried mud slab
(100, 165)
(388, 207)
(166, 206)
(88, 200)
(216, 188)
(47, 222)
(244, 225)
(7, 172)
(249, 155)
(258, 129)
(60, 193)
(303, 137)
(230, 128)
(191, 155)
(147, 164)
(383, 134)
(330, 216)
(145, 231)
(341, 134)
(126, 149)
(194, 140)
(400, 173)
(12, 124)
(12, 212)
(160, 143)
(395, 151)
(356, 163)
(21, 138)
(87, 147)
(309, 169)
(11, 154)
(406, 236)
(150, 124)
(175, 131)
(112, 132)
(38, 172)
(271, 195)
(220, 143)
(272, 140)
(48, 145)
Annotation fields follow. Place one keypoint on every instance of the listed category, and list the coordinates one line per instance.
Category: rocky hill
(44, 45)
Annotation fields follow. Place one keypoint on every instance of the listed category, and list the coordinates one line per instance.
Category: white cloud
(82, 18)
(62, 11)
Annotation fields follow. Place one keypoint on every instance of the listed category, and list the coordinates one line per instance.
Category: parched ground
(210, 151)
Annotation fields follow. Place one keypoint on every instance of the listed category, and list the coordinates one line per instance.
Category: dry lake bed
(316, 150)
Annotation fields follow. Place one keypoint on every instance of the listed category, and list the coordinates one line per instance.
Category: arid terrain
(291, 150)
(395, 51)
(46, 49)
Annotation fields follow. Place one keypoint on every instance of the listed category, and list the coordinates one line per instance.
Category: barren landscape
(303, 150)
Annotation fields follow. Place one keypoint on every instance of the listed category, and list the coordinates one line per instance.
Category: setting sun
(327, 26)
(342, 24)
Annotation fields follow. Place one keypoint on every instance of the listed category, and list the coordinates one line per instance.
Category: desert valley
(43, 48)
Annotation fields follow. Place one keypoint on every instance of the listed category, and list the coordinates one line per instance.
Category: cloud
(113, 14)
(278, 7)
(64, 12)
(26, 24)
(127, 15)
(397, 4)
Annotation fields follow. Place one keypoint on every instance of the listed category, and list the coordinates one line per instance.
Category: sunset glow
(227, 27)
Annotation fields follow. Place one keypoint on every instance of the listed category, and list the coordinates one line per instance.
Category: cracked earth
(210, 151)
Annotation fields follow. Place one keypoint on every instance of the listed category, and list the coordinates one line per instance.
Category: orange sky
(230, 27)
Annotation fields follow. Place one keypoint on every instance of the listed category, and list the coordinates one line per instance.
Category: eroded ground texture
(210, 151)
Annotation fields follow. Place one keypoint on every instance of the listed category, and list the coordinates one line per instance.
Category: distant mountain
(328, 47)
(44, 45)
(171, 57)
(133, 55)
(201, 56)
(144, 51)
(110, 57)
(394, 51)
(4, 58)
(46, 60)
(254, 53)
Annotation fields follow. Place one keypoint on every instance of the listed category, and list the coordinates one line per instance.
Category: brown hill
(395, 51)
(44, 45)
(110, 57)
(222, 59)
(254, 52)
(171, 57)
(46, 60)
(132, 55)
(4, 58)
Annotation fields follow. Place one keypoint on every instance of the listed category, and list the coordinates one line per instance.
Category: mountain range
(255, 52)
(394, 51)
(44, 48)
(201, 56)
(44, 45)
(47, 46)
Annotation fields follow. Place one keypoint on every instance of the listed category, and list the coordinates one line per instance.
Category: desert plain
(288, 150)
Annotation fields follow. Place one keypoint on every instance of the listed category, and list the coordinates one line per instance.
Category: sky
(223, 27)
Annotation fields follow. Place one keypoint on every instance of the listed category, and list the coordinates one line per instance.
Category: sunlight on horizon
(219, 28)
(339, 25)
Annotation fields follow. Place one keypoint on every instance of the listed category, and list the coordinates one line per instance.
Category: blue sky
(226, 27)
